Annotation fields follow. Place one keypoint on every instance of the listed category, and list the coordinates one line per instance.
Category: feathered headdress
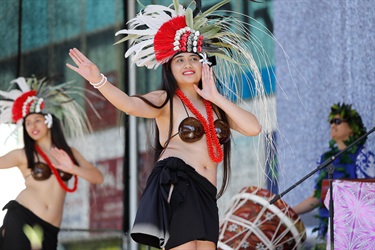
(159, 32)
(41, 96)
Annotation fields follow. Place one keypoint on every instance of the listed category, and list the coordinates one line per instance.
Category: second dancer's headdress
(32, 95)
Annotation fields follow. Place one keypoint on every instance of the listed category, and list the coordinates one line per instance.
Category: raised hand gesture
(209, 89)
(64, 162)
(85, 67)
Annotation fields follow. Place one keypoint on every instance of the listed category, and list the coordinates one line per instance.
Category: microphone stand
(330, 169)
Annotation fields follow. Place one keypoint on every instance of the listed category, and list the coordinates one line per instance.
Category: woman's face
(341, 131)
(186, 68)
(35, 126)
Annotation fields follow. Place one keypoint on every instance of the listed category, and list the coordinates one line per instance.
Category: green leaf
(141, 4)
(199, 22)
(125, 39)
(176, 4)
(34, 234)
(207, 28)
(215, 7)
(189, 18)
(211, 32)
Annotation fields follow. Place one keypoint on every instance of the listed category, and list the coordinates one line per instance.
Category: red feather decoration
(18, 105)
(164, 38)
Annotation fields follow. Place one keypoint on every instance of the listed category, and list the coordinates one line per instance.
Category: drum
(253, 223)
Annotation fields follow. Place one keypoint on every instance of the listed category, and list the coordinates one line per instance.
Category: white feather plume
(152, 17)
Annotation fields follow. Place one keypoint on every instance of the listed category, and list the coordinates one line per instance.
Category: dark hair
(57, 137)
(169, 85)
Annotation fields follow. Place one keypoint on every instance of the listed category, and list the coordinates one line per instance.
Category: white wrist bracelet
(100, 83)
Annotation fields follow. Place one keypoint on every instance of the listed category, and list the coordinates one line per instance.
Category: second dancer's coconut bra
(42, 171)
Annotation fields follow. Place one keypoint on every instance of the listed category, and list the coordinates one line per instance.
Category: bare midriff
(44, 198)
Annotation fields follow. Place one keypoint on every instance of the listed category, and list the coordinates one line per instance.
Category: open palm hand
(209, 89)
(85, 67)
(64, 162)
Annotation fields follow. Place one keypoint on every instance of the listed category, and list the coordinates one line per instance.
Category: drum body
(253, 223)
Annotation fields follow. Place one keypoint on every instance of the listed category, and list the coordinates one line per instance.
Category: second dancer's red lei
(214, 148)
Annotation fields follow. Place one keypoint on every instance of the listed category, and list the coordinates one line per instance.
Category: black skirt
(14, 237)
(191, 214)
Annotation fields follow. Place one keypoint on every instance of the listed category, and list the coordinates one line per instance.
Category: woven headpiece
(41, 96)
(351, 116)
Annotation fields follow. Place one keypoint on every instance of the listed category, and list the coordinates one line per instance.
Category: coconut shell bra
(60, 175)
(191, 129)
(42, 171)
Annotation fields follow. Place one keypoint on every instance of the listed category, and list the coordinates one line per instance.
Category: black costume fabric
(14, 238)
(191, 214)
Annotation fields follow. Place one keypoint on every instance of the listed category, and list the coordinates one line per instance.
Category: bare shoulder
(76, 153)
(81, 160)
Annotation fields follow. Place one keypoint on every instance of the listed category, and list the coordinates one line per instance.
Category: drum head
(253, 223)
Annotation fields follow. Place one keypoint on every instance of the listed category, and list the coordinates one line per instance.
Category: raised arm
(122, 101)
(239, 119)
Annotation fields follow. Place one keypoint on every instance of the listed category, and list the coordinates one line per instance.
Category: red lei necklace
(214, 148)
(56, 173)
